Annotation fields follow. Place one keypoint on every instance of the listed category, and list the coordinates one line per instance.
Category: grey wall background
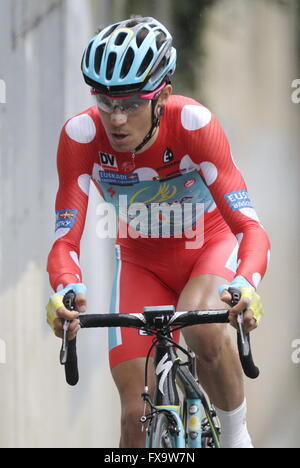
(41, 47)
(250, 63)
(254, 44)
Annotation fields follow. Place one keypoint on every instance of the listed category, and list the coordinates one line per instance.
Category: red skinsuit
(189, 163)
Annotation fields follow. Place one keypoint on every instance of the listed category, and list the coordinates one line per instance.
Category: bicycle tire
(160, 436)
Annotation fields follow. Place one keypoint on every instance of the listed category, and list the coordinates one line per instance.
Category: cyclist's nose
(118, 117)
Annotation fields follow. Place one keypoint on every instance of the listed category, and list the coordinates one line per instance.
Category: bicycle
(170, 424)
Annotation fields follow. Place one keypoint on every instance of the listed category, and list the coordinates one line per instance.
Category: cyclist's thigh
(134, 288)
(216, 265)
(201, 292)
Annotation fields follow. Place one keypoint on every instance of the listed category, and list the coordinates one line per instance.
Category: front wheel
(161, 432)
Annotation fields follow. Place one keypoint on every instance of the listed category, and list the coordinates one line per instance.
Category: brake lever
(244, 345)
(69, 303)
(235, 299)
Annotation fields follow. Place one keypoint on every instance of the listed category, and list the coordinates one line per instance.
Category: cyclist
(158, 150)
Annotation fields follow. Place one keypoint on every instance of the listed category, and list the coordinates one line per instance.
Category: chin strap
(155, 124)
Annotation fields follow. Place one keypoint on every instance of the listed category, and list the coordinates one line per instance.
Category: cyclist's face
(127, 121)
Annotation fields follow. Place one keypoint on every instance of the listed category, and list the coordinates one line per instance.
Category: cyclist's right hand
(57, 313)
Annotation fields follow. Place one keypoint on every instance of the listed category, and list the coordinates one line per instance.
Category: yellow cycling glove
(255, 302)
(56, 301)
(248, 292)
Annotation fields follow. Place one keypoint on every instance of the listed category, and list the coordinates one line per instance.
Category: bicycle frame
(187, 420)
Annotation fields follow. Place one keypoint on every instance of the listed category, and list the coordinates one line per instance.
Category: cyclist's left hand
(250, 303)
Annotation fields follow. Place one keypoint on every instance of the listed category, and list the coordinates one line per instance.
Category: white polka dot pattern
(84, 183)
(75, 258)
(81, 129)
(239, 237)
(250, 213)
(231, 263)
(61, 233)
(195, 117)
(188, 165)
(212, 208)
(210, 172)
(256, 278)
(146, 173)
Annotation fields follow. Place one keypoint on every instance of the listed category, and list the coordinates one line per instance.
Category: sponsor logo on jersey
(65, 219)
(116, 178)
(172, 164)
(164, 193)
(112, 192)
(189, 183)
(168, 156)
(238, 200)
(170, 176)
(109, 161)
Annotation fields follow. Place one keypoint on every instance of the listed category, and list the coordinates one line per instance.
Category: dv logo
(108, 160)
(2, 92)
(2, 352)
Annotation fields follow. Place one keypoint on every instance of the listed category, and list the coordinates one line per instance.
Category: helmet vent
(111, 65)
(109, 32)
(120, 38)
(87, 55)
(146, 62)
(128, 61)
(160, 39)
(98, 57)
(141, 36)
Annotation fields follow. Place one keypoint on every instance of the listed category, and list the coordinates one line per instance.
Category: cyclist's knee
(209, 343)
(211, 355)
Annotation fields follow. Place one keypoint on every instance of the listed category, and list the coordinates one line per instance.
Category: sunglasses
(127, 104)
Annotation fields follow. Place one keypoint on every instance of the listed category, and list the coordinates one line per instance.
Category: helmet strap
(155, 124)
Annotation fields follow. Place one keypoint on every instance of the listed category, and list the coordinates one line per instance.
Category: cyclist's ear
(164, 96)
(162, 101)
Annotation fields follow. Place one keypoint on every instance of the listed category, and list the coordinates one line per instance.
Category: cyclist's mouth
(119, 137)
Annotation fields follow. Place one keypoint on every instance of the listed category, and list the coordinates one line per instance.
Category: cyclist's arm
(230, 193)
(74, 164)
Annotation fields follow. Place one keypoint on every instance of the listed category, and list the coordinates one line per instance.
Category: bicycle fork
(166, 398)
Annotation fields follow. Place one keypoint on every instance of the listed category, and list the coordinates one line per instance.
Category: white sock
(234, 432)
